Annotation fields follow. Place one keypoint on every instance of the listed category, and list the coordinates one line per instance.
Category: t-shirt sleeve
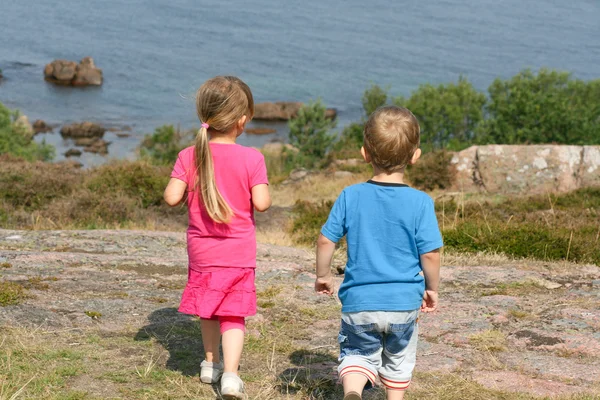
(335, 227)
(180, 169)
(258, 174)
(428, 234)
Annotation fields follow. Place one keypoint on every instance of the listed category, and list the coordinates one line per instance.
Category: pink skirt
(226, 292)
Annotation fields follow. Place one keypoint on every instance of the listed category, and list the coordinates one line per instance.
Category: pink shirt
(237, 170)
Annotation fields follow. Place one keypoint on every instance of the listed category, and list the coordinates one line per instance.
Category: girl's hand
(324, 285)
(430, 301)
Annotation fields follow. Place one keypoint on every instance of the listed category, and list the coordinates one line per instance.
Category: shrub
(33, 185)
(309, 133)
(349, 143)
(139, 180)
(549, 107)
(308, 220)
(163, 146)
(11, 293)
(433, 171)
(14, 141)
(373, 98)
(448, 114)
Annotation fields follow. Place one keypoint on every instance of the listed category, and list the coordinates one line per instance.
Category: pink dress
(222, 257)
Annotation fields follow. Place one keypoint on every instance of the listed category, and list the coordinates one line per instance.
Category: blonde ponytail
(220, 103)
(215, 205)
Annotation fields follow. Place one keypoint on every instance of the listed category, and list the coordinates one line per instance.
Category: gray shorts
(379, 344)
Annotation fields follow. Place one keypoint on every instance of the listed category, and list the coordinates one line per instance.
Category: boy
(393, 259)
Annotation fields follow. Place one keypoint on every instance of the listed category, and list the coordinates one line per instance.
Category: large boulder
(527, 169)
(590, 166)
(65, 72)
(82, 130)
(282, 111)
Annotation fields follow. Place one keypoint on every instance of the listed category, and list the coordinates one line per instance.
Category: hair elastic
(205, 125)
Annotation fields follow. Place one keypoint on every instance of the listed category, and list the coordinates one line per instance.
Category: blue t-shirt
(387, 227)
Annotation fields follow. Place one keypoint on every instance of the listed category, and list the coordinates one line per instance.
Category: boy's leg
(360, 352)
(399, 353)
(232, 330)
(354, 382)
(211, 337)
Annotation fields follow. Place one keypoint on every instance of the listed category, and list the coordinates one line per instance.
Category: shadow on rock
(180, 335)
(314, 375)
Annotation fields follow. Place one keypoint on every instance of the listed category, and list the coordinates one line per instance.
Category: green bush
(373, 98)
(308, 220)
(309, 133)
(433, 171)
(139, 180)
(33, 185)
(163, 146)
(14, 141)
(550, 107)
(448, 114)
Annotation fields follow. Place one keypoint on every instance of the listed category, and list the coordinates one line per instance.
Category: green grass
(11, 293)
(553, 228)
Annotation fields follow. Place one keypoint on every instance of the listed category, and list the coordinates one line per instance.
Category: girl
(223, 182)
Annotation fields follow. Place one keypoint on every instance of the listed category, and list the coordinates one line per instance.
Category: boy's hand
(430, 301)
(324, 285)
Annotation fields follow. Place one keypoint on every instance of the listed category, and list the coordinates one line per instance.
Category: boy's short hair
(391, 137)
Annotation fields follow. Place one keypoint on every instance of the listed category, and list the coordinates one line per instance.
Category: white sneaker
(210, 372)
(232, 387)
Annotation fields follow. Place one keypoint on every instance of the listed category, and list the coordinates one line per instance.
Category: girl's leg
(211, 336)
(232, 330)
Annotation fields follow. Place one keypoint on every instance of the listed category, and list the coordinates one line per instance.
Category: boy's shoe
(352, 396)
(210, 372)
(232, 387)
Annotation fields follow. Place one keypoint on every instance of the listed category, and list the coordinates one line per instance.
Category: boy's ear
(415, 157)
(365, 155)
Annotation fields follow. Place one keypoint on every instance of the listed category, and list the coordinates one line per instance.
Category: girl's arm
(175, 191)
(261, 199)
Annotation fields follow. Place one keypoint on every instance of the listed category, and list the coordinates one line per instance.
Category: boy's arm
(325, 249)
(430, 262)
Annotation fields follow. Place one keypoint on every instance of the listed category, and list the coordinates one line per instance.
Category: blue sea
(156, 53)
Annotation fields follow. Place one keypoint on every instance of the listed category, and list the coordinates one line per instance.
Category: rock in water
(73, 152)
(87, 73)
(40, 126)
(82, 130)
(260, 131)
(99, 146)
(282, 111)
(65, 72)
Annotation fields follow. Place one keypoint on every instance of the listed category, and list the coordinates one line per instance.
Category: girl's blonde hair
(220, 103)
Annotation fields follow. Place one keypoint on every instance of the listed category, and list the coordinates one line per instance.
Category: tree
(309, 133)
(448, 114)
(549, 107)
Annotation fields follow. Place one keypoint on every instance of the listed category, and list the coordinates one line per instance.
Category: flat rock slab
(508, 327)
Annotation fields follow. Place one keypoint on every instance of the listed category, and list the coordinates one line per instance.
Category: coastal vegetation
(543, 107)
